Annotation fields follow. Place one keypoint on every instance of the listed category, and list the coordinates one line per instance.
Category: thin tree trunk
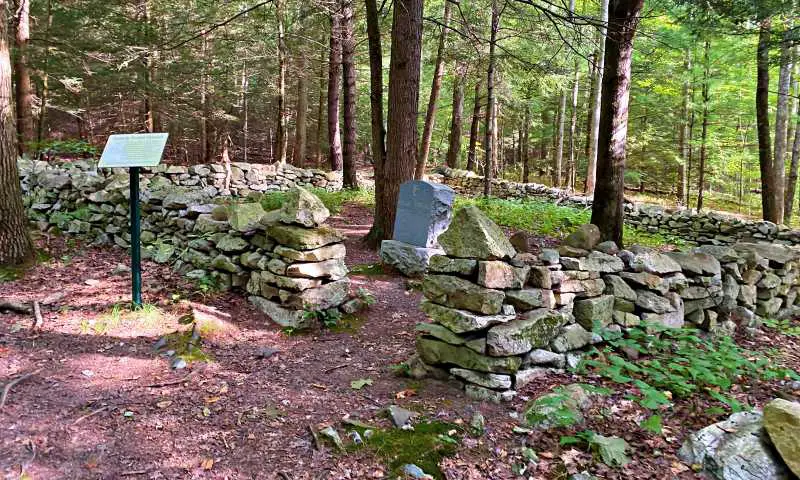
(490, 103)
(791, 184)
(473, 128)
(402, 138)
(334, 78)
(245, 110)
(768, 191)
(205, 108)
(320, 109)
(15, 242)
(24, 91)
(45, 96)
(607, 215)
(454, 147)
(683, 134)
(149, 71)
(281, 136)
(376, 108)
(704, 135)
(559, 160)
(591, 168)
(349, 179)
(573, 125)
(781, 122)
(436, 86)
(690, 148)
(546, 135)
(526, 147)
(300, 129)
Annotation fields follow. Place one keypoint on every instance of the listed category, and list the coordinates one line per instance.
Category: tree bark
(149, 71)
(454, 147)
(281, 137)
(45, 96)
(205, 108)
(334, 77)
(701, 179)
(321, 103)
(376, 107)
(768, 192)
(591, 168)
(558, 167)
(473, 128)
(24, 92)
(573, 125)
(526, 146)
(683, 134)
(436, 86)
(490, 104)
(608, 214)
(301, 127)
(782, 122)
(401, 144)
(15, 242)
(791, 182)
(349, 178)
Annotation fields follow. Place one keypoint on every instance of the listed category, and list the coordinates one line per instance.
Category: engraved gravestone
(423, 212)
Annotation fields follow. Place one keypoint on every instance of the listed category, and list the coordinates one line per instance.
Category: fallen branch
(37, 314)
(134, 472)
(91, 414)
(337, 367)
(7, 388)
(172, 382)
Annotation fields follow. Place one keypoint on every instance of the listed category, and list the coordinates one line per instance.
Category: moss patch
(367, 269)
(186, 347)
(425, 446)
(349, 323)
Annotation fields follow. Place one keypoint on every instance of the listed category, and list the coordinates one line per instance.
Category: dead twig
(337, 367)
(37, 315)
(10, 384)
(91, 414)
(172, 382)
(134, 472)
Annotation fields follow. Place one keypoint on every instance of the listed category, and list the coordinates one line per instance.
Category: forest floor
(104, 404)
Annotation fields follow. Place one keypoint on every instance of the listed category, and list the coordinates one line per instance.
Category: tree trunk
(546, 135)
(573, 125)
(205, 108)
(559, 160)
(704, 135)
(349, 179)
(607, 215)
(300, 128)
(436, 86)
(490, 104)
(768, 192)
(149, 71)
(683, 134)
(376, 107)
(334, 78)
(281, 137)
(791, 183)
(45, 96)
(401, 142)
(454, 147)
(526, 146)
(473, 128)
(782, 121)
(245, 110)
(591, 168)
(24, 92)
(15, 242)
(320, 109)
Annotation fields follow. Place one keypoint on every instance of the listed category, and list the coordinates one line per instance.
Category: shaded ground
(105, 405)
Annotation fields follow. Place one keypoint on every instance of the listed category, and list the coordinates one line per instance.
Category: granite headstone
(424, 210)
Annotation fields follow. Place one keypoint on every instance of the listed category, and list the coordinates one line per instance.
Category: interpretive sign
(134, 151)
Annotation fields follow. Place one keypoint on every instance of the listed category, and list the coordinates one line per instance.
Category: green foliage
(332, 200)
(366, 296)
(73, 147)
(401, 369)
(360, 383)
(424, 446)
(367, 269)
(611, 450)
(327, 318)
(678, 361)
(652, 424)
(207, 284)
(786, 327)
(546, 218)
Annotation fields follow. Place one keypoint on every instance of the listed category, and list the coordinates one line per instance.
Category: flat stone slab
(424, 210)
(408, 259)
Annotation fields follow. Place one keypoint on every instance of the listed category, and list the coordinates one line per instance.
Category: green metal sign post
(134, 151)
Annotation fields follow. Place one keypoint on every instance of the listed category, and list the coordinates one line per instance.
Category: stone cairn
(501, 318)
(301, 265)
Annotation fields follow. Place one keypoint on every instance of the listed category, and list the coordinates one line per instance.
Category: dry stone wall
(287, 259)
(500, 318)
(704, 228)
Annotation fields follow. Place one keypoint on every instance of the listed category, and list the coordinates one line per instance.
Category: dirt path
(105, 405)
